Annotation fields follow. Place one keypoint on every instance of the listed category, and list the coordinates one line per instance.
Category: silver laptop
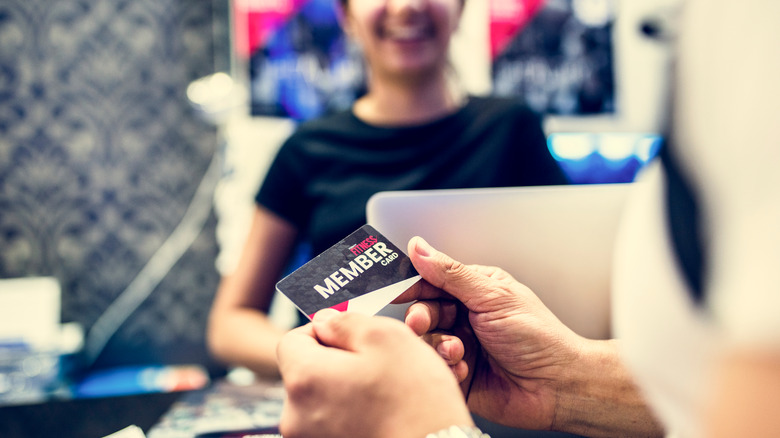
(558, 240)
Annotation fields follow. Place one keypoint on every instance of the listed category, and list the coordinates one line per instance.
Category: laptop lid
(558, 240)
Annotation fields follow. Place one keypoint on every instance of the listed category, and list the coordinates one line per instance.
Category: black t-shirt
(325, 172)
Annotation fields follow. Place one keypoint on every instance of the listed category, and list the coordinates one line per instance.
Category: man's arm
(531, 371)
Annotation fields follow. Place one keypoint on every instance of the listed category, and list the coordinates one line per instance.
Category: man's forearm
(598, 397)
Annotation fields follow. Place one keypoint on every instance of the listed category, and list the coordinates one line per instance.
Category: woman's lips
(407, 33)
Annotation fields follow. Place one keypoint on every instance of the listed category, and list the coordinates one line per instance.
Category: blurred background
(133, 135)
(101, 160)
(101, 156)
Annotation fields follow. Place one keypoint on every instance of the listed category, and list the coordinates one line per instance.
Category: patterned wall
(100, 156)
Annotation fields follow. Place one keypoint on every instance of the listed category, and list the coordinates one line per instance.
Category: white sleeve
(728, 105)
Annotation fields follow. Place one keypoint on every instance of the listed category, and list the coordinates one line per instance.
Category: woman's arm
(239, 330)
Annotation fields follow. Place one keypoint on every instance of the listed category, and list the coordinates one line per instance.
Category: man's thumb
(446, 273)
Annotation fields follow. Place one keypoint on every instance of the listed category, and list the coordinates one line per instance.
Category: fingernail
(325, 314)
(423, 248)
(443, 351)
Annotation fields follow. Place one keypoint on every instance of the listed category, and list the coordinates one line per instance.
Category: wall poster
(300, 62)
(555, 54)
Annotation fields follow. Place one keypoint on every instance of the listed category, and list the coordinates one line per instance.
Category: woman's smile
(403, 38)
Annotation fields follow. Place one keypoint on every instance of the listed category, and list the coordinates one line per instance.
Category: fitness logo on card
(362, 273)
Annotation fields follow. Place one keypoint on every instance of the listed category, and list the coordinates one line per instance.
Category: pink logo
(507, 19)
(257, 20)
(341, 307)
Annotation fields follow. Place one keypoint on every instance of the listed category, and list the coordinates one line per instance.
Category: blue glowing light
(589, 158)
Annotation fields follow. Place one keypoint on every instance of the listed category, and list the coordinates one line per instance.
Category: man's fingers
(422, 290)
(337, 329)
(298, 349)
(295, 341)
(461, 371)
(427, 316)
(355, 332)
(449, 347)
(440, 270)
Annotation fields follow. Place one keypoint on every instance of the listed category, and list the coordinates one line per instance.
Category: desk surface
(84, 418)
(223, 406)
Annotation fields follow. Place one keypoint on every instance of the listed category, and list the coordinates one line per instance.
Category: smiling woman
(405, 44)
(414, 128)
(408, 30)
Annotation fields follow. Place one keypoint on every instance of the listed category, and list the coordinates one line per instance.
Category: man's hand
(353, 375)
(515, 350)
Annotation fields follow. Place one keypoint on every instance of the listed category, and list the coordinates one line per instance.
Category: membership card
(362, 273)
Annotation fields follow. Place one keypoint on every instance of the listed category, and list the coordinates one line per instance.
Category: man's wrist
(603, 403)
(459, 432)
